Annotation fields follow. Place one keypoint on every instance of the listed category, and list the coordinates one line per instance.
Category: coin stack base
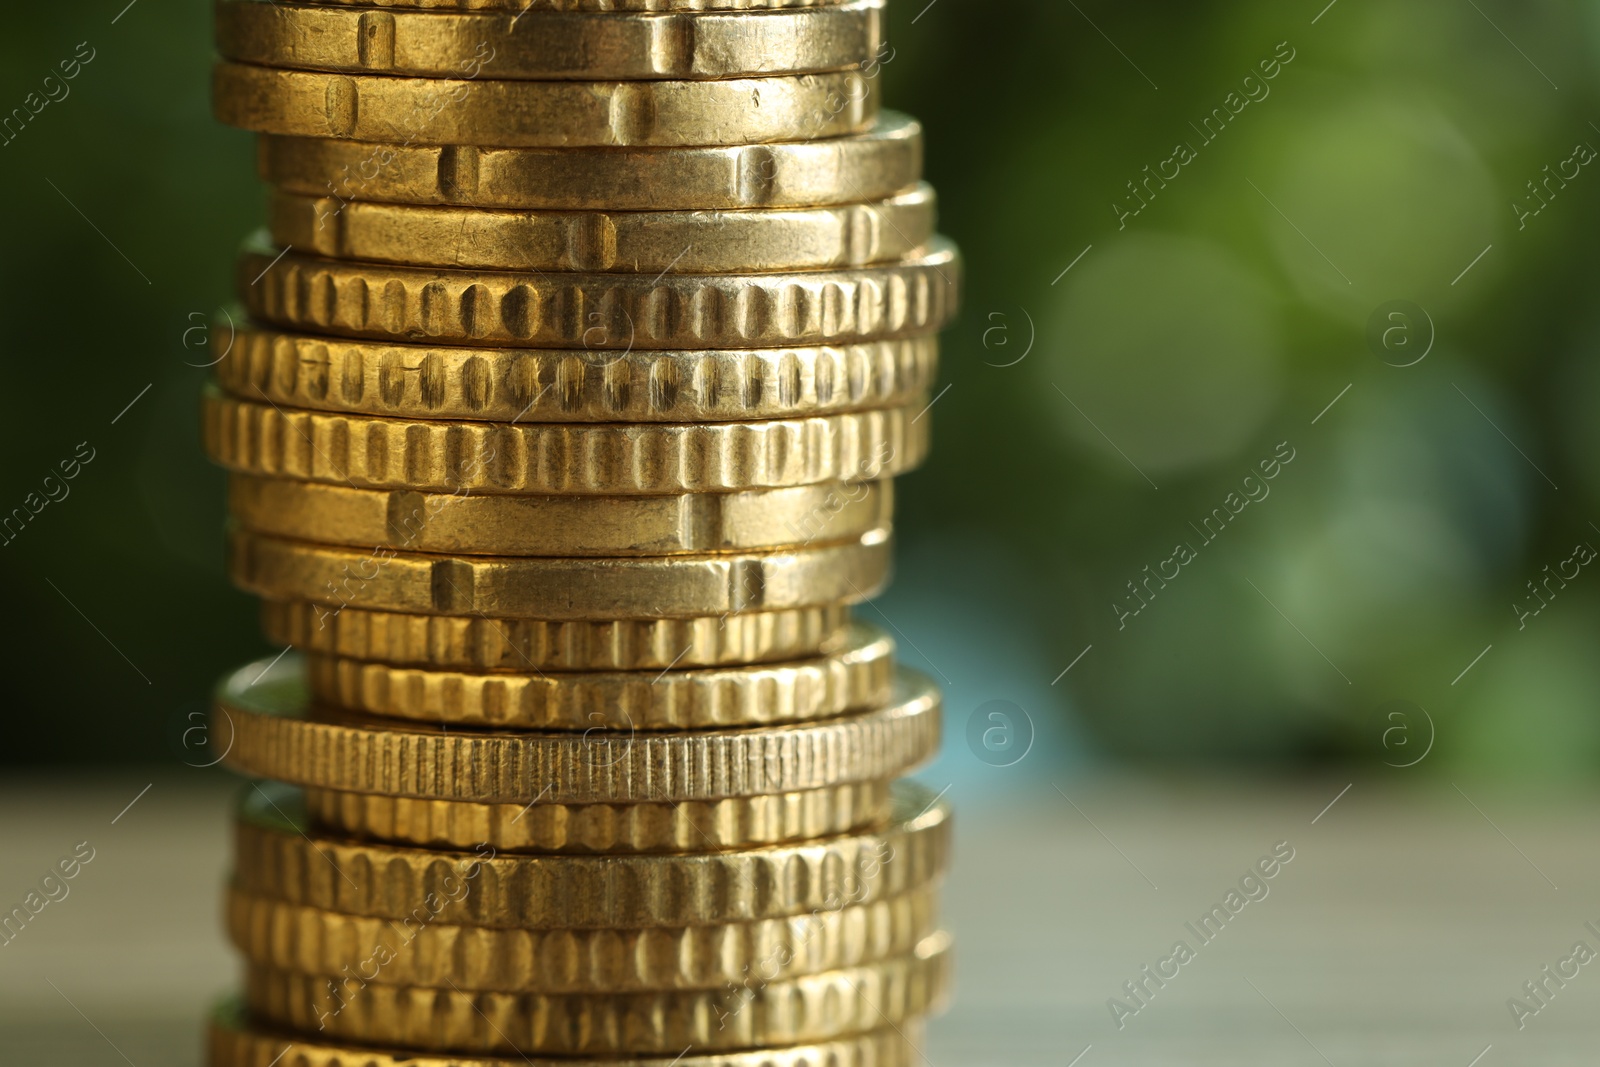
(585, 340)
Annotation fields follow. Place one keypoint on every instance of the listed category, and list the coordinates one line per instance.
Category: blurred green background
(1095, 417)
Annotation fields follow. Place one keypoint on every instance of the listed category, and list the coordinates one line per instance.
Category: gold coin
(540, 43)
(544, 588)
(265, 711)
(917, 295)
(639, 242)
(554, 458)
(442, 955)
(501, 525)
(480, 644)
(279, 854)
(878, 163)
(235, 1041)
(519, 6)
(690, 826)
(859, 674)
(554, 385)
(510, 114)
(786, 1011)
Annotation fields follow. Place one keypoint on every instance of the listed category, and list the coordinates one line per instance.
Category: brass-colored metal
(786, 1011)
(614, 312)
(280, 854)
(859, 674)
(482, 111)
(606, 829)
(517, 7)
(276, 733)
(480, 644)
(234, 1041)
(549, 458)
(442, 955)
(639, 242)
(579, 355)
(877, 163)
(614, 526)
(531, 385)
(502, 587)
(546, 44)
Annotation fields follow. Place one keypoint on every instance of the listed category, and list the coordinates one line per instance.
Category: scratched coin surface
(639, 587)
(543, 43)
(641, 242)
(492, 524)
(518, 6)
(876, 163)
(502, 113)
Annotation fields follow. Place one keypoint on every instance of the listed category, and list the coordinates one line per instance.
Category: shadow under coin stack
(583, 345)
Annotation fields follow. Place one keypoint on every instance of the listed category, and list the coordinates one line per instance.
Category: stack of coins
(583, 345)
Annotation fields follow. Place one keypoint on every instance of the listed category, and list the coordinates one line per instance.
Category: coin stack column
(581, 350)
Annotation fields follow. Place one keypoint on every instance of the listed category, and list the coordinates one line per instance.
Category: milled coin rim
(313, 940)
(280, 853)
(918, 294)
(812, 1007)
(234, 1040)
(592, 459)
(276, 732)
(473, 643)
(393, 379)
(855, 675)
(606, 829)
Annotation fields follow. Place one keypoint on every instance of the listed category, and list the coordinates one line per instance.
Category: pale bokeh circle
(1170, 345)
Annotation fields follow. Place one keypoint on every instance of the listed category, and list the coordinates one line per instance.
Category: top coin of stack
(585, 340)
